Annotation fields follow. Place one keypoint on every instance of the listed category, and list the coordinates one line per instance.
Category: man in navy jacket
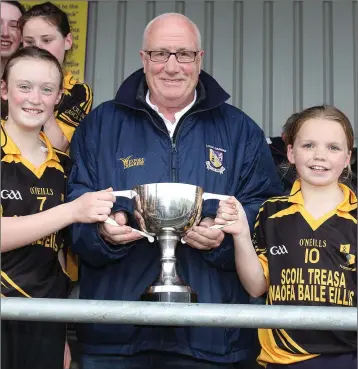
(169, 122)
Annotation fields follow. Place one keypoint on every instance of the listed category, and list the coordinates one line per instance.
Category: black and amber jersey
(306, 261)
(75, 104)
(32, 270)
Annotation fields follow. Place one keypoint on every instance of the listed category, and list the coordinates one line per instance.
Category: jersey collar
(9, 147)
(348, 204)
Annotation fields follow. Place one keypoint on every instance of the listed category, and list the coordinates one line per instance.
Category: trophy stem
(168, 241)
(169, 287)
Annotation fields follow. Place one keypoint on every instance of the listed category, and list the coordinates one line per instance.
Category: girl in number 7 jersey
(33, 212)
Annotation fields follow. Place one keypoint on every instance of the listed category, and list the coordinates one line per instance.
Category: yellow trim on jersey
(293, 343)
(67, 130)
(283, 341)
(13, 154)
(272, 353)
(69, 81)
(86, 105)
(348, 204)
(346, 216)
(13, 284)
(289, 211)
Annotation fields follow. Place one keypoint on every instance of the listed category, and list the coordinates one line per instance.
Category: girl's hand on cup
(232, 210)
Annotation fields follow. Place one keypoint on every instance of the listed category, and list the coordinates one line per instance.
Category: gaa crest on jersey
(216, 159)
(349, 259)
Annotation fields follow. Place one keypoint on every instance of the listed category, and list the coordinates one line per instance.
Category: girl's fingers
(220, 221)
(227, 210)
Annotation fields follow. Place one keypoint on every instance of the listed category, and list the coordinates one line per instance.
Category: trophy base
(169, 293)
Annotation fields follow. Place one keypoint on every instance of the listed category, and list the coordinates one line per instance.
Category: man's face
(171, 83)
(10, 32)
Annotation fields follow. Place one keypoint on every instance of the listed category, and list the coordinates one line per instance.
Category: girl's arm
(248, 266)
(20, 231)
(91, 207)
(247, 263)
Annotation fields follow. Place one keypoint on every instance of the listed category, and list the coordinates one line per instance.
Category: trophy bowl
(167, 211)
(175, 206)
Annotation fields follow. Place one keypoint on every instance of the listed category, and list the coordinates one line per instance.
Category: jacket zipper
(173, 153)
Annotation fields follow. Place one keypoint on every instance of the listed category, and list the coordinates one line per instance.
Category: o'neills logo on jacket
(135, 162)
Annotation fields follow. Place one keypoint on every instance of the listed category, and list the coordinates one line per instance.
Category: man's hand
(203, 238)
(118, 235)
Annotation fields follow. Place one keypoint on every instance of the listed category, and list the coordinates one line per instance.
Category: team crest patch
(216, 159)
(350, 259)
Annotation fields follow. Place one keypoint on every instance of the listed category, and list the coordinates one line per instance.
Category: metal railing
(180, 314)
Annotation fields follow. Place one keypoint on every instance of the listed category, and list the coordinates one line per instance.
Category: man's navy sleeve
(86, 240)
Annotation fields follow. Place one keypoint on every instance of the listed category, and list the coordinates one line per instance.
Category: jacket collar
(133, 90)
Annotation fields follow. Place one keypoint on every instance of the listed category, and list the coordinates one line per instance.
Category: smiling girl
(47, 27)
(33, 212)
(305, 243)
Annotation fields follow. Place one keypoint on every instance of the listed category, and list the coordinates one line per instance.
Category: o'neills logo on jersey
(10, 195)
(278, 250)
(135, 162)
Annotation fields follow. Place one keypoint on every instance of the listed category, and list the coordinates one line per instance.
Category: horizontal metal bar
(180, 314)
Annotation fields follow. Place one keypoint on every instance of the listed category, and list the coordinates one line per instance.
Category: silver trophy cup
(167, 211)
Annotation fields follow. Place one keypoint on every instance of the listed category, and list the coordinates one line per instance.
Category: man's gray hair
(165, 15)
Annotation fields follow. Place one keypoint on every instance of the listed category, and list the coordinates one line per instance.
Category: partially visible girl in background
(47, 27)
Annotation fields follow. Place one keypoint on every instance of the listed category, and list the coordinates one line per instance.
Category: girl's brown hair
(329, 112)
(51, 13)
(322, 111)
(32, 52)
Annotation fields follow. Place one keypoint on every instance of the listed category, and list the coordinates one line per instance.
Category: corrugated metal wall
(273, 57)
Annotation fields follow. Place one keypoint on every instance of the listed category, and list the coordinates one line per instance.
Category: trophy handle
(114, 223)
(126, 193)
(129, 194)
(214, 196)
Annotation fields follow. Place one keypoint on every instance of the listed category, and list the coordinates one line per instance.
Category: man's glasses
(181, 56)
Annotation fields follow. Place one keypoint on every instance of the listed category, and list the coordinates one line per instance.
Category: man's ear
(143, 56)
(290, 155)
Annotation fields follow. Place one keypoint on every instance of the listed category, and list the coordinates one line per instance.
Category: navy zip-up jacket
(123, 143)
